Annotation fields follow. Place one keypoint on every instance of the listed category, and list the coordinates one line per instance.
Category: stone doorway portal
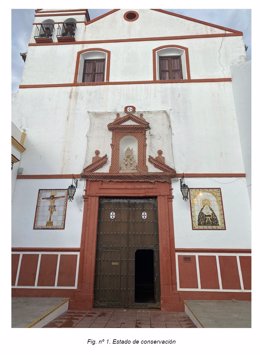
(127, 254)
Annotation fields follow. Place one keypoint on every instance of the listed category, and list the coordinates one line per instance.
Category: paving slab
(123, 318)
(28, 311)
(219, 314)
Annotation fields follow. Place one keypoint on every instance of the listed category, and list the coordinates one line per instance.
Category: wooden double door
(127, 254)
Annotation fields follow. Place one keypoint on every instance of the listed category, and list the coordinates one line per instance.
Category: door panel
(125, 225)
(108, 277)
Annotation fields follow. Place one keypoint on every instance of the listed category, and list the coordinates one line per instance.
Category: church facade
(133, 112)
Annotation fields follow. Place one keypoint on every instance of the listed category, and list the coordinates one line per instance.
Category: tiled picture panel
(51, 209)
(207, 209)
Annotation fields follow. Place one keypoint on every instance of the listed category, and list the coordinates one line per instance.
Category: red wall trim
(108, 54)
(54, 11)
(212, 80)
(155, 50)
(67, 14)
(204, 175)
(186, 295)
(142, 39)
(45, 176)
(178, 250)
(31, 292)
(190, 295)
(199, 21)
(204, 250)
(39, 250)
(77, 176)
(101, 16)
(56, 23)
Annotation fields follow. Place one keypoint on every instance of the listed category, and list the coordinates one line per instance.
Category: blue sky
(22, 19)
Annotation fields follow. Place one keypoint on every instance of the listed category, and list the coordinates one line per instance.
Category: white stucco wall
(195, 124)
(205, 136)
(17, 135)
(235, 203)
(209, 58)
(23, 213)
(149, 24)
(159, 136)
(241, 79)
(236, 212)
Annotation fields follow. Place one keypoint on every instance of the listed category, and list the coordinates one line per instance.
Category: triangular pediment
(163, 23)
(162, 166)
(96, 164)
(127, 121)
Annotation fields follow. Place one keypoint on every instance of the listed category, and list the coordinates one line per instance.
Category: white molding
(57, 271)
(213, 290)
(47, 252)
(240, 273)
(77, 272)
(198, 270)
(212, 254)
(18, 269)
(177, 272)
(37, 270)
(48, 287)
(219, 273)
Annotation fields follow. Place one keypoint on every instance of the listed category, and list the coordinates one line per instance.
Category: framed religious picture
(51, 209)
(207, 209)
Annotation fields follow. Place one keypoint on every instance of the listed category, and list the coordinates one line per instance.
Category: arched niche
(128, 154)
(128, 131)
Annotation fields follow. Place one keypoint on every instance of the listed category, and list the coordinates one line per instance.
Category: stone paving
(220, 314)
(121, 318)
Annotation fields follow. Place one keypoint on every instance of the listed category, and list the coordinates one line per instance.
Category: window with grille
(170, 68)
(94, 70)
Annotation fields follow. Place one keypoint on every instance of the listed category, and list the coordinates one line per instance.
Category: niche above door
(128, 144)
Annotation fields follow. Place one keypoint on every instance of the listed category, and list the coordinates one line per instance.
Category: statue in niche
(129, 162)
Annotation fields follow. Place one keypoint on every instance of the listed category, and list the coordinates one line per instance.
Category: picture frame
(207, 212)
(51, 209)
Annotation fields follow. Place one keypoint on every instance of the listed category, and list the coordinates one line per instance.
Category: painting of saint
(207, 209)
(207, 216)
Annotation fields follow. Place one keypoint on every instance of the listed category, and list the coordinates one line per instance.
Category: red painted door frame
(84, 296)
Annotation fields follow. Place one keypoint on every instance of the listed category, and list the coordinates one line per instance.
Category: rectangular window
(94, 70)
(170, 68)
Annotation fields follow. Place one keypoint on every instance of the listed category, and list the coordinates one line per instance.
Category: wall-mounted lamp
(72, 189)
(184, 189)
